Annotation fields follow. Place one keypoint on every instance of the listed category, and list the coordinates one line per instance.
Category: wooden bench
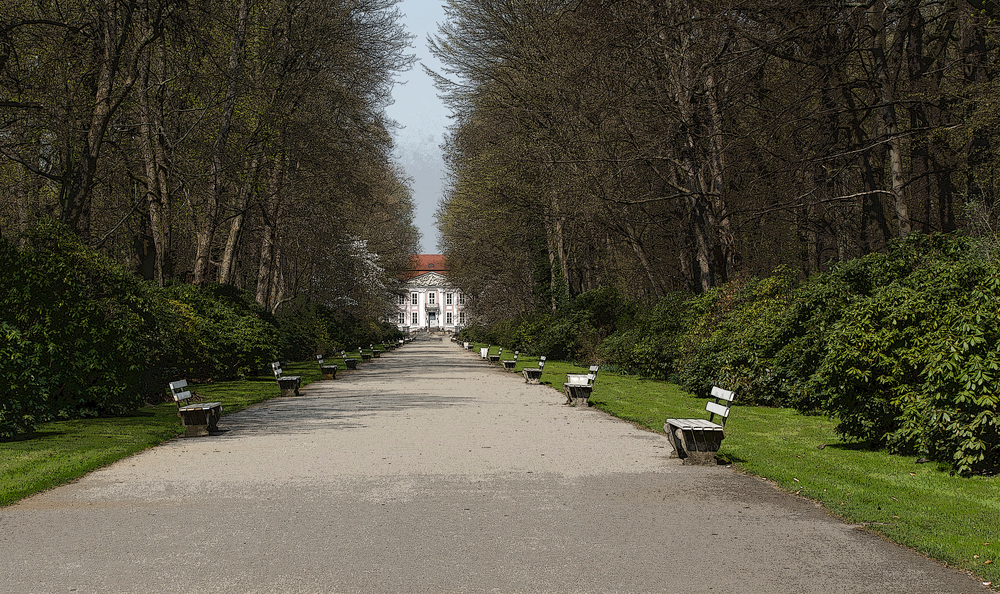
(533, 375)
(349, 362)
(200, 418)
(579, 387)
(495, 358)
(376, 352)
(289, 384)
(329, 370)
(364, 356)
(510, 364)
(696, 441)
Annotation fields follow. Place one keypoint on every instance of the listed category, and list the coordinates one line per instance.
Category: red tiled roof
(424, 263)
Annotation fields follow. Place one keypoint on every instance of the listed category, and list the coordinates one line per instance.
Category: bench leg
(199, 423)
(289, 387)
(578, 395)
(695, 447)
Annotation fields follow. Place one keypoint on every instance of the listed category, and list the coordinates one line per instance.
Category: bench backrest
(276, 368)
(723, 399)
(319, 359)
(178, 392)
(541, 362)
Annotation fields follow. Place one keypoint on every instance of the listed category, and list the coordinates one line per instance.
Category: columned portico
(430, 302)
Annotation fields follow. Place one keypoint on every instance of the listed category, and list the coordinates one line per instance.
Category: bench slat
(201, 406)
(694, 424)
(716, 408)
(726, 395)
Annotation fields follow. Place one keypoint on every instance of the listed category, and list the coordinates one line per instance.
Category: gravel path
(428, 470)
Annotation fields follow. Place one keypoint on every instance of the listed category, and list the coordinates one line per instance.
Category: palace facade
(430, 301)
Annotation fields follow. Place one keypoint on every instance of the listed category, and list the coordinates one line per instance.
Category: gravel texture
(429, 470)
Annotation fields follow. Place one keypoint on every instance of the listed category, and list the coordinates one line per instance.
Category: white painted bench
(329, 370)
(484, 352)
(349, 362)
(510, 364)
(533, 375)
(579, 386)
(696, 441)
(289, 384)
(496, 358)
(201, 418)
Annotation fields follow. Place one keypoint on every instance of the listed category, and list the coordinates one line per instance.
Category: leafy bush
(913, 366)
(728, 333)
(74, 331)
(652, 345)
(224, 333)
(303, 332)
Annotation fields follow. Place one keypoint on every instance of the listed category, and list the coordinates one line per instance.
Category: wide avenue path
(427, 470)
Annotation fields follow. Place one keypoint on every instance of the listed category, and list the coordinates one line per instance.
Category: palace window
(414, 318)
(447, 318)
(413, 299)
(461, 318)
(402, 318)
(448, 299)
(461, 298)
(432, 298)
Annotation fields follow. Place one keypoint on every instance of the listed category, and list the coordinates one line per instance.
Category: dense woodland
(191, 189)
(795, 201)
(235, 142)
(657, 146)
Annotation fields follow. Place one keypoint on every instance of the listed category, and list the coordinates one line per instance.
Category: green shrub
(224, 333)
(913, 367)
(302, 330)
(728, 331)
(651, 345)
(74, 330)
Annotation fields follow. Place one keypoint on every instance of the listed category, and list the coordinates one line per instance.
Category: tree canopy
(656, 146)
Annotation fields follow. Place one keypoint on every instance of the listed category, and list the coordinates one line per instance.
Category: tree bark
(209, 218)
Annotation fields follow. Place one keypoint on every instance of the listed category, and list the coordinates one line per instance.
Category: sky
(423, 120)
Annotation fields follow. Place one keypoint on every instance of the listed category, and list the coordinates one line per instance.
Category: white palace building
(430, 303)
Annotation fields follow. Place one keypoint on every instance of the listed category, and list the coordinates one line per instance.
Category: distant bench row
(202, 418)
(695, 441)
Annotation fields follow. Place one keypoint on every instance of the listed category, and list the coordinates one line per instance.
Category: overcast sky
(423, 119)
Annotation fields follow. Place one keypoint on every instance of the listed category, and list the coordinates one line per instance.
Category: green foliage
(726, 336)
(303, 330)
(651, 345)
(913, 367)
(221, 333)
(73, 330)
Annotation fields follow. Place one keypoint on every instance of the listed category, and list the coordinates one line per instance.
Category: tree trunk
(228, 264)
(209, 219)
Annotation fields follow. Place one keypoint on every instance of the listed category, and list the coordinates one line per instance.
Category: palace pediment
(429, 279)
